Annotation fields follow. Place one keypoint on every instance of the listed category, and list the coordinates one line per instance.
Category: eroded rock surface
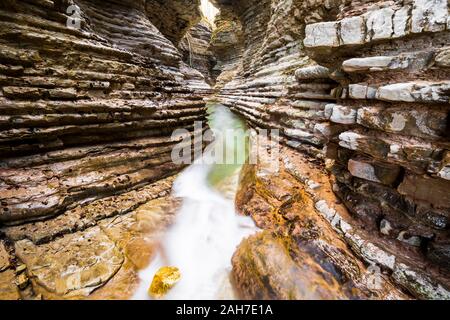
(89, 113)
(359, 90)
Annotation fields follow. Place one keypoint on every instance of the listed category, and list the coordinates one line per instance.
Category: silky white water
(207, 229)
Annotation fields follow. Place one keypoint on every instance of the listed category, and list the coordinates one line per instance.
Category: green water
(233, 139)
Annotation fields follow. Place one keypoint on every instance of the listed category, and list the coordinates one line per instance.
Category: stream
(207, 229)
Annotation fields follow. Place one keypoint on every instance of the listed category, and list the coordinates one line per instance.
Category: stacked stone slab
(390, 156)
(364, 87)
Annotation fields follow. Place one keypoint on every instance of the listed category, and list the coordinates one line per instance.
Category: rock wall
(266, 89)
(173, 18)
(196, 49)
(88, 110)
(227, 44)
(361, 88)
(300, 254)
(390, 154)
(106, 91)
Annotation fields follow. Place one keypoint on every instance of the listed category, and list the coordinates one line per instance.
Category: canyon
(91, 92)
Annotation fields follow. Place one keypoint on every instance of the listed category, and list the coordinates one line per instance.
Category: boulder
(264, 269)
(164, 280)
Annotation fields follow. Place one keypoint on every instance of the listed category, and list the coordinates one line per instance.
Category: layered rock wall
(196, 49)
(89, 98)
(361, 88)
(86, 113)
(173, 18)
(266, 89)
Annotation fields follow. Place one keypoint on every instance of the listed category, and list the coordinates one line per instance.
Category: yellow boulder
(163, 281)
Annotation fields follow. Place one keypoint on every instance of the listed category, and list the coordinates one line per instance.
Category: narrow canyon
(351, 200)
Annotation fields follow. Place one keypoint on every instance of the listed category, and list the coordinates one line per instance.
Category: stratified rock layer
(90, 93)
(361, 87)
(196, 50)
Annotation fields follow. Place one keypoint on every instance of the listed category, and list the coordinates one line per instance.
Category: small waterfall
(207, 229)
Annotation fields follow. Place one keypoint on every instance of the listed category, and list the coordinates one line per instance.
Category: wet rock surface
(173, 18)
(96, 261)
(303, 237)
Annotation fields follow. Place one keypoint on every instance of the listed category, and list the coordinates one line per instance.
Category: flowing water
(207, 229)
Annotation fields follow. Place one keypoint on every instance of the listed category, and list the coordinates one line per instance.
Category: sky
(209, 10)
